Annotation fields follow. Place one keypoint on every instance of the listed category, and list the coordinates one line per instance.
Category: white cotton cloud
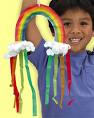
(15, 48)
(56, 48)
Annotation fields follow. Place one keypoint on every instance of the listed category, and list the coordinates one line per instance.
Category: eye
(83, 23)
(67, 24)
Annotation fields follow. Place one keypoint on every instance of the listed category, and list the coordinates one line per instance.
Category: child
(78, 20)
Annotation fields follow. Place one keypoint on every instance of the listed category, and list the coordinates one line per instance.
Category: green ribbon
(48, 71)
(30, 83)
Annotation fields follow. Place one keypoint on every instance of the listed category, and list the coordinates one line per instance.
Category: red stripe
(68, 64)
(16, 93)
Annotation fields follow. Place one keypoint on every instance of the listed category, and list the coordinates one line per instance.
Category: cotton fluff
(15, 48)
(56, 48)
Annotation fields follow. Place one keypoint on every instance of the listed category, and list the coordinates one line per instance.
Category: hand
(56, 48)
(44, 2)
(16, 47)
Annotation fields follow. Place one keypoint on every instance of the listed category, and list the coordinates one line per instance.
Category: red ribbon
(13, 78)
(68, 64)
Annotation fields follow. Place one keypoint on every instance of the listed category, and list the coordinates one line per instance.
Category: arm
(32, 32)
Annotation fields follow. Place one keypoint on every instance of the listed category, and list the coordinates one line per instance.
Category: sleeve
(38, 57)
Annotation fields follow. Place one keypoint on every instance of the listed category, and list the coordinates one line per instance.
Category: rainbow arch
(46, 11)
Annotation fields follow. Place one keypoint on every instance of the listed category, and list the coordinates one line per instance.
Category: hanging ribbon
(55, 77)
(68, 64)
(30, 83)
(48, 71)
(22, 79)
(62, 69)
(15, 89)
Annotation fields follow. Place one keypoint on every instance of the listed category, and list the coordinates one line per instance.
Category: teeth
(75, 40)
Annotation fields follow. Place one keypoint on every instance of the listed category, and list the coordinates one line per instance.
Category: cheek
(88, 36)
(66, 35)
(88, 31)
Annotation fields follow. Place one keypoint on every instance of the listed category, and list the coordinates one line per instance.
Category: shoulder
(40, 50)
(90, 59)
(39, 55)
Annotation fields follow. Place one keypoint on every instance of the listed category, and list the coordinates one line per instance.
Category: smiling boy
(78, 19)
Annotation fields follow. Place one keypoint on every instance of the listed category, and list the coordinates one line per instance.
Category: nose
(75, 29)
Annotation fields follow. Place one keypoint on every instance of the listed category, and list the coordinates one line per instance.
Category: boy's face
(78, 28)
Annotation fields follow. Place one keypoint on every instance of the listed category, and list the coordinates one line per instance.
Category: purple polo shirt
(82, 89)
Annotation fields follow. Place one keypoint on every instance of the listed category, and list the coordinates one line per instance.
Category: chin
(77, 50)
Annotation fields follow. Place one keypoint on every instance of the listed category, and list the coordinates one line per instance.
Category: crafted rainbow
(46, 11)
(22, 23)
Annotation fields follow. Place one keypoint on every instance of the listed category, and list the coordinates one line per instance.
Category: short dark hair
(61, 6)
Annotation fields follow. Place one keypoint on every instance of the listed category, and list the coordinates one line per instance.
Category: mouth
(75, 40)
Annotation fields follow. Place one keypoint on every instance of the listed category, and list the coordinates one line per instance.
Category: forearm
(32, 32)
(27, 3)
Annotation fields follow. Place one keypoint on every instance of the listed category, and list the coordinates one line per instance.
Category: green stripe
(48, 71)
(30, 83)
